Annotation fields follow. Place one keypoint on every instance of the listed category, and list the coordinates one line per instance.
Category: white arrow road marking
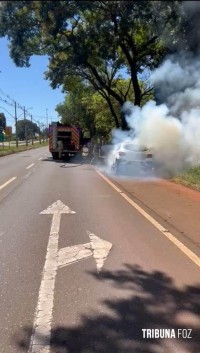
(40, 340)
(100, 249)
(71, 254)
(97, 247)
(57, 208)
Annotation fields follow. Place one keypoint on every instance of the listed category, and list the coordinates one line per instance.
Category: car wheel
(113, 168)
(116, 167)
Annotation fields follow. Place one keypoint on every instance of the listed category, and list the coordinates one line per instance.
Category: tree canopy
(96, 41)
(2, 121)
(87, 106)
(26, 129)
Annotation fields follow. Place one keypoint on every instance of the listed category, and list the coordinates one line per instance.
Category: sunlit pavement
(95, 297)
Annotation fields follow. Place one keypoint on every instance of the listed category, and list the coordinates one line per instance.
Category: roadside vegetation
(6, 150)
(189, 178)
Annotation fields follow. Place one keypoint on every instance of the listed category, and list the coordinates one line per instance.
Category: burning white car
(131, 156)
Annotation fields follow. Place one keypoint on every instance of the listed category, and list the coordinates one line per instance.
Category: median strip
(7, 183)
(192, 256)
(31, 165)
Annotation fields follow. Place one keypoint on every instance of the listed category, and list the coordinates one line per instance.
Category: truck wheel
(55, 155)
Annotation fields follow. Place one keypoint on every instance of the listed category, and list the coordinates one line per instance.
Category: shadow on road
(154, 302)
(70, 160)
(74, 162)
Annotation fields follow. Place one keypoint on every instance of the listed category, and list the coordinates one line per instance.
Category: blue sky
(27, 87)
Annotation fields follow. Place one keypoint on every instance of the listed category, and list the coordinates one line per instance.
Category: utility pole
(25, 127)
(16, 127)
(43, 125)
(39, 131)
(47, 124)
(32, 128)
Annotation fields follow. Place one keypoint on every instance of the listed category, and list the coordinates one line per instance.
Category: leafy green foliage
(88, 107)
(75, 110)
(2, 120)
(93, 42)
(25, 128)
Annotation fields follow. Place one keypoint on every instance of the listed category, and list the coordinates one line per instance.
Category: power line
(12, 103)
(7, 96)
(12, 100)
(5, 101)
(40, 116)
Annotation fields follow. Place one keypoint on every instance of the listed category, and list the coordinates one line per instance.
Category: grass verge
(189, 178)
(6, 150)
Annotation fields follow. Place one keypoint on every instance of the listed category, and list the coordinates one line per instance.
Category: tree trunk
(124, 122)
(113, 112)
(104, 85)
(136, 87)
(134, 78)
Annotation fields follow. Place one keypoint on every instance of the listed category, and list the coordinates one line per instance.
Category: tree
(87, 107)
(26, 129)
(137, 30)
(74, 109)
(103, 119)
(2, 121)
(92, 40)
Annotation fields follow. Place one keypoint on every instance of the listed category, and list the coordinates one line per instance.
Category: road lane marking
(40, 159)
(31, 165)
(7, 183)
(192, 256)
(97, 247)
(40, 339)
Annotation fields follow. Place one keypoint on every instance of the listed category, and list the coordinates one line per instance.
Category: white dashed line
(7, 183)
(192, 256)
(31, 165)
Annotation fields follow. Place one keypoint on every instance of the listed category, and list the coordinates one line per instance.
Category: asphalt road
(94, 298)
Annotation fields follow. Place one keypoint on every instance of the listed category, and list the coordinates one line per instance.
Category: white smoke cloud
(171, 129)
(178, 84)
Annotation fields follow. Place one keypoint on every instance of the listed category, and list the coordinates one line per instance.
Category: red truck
(71, 138)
